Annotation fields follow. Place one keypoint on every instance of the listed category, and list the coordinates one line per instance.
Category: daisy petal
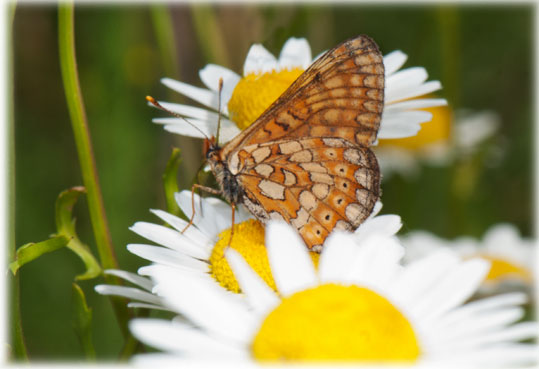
(190, 111)
(169, 257)
(413, 91)
(142, 305)
(259, 294)
(296, 52)
(179, 338)
(458, 285)
(131, 277)
(337, 257)
(211, 73)
(483, 306)
(169, 238)
(292, 268)
(201, 95)
(387, 225)
(186, 127)
(129, 292)
(212, 215)
(403, 79)
(393, 61)
(259, 60)
(416, 104)
(402, 124)
(517, 332)
(180, 224)
(412, 284)
(477, 325)
(204, 128)
(377, 261)
(208, 305)
(210, 76)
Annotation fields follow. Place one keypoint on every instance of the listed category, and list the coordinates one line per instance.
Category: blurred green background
(481, 54)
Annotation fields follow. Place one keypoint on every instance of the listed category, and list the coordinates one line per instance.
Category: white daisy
(190, 252)
(440, 142)
(512, 257)
(359, 304)
(265, 78)
(200, 250)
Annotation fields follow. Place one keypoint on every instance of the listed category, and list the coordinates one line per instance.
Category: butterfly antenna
(154, 102)
(219, 111)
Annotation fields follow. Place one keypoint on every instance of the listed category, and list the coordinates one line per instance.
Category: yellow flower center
(248, 240)
(501, 270)
(335, 322)
(438, 130)
(254, 93)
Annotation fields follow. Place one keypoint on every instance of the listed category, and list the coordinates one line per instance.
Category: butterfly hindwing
(316, 185)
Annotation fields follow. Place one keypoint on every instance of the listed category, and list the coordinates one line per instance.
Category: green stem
(79, 124)
(19, 347)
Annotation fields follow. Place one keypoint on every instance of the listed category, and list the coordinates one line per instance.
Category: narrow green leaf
(170, 183)
(79, 124)
(64, 207)
(82, 321)
(65, 225)
(164, 33)
(32, 251)
(209, 36)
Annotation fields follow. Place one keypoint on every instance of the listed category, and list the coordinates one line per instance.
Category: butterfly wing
(316, 185)
(340, 95)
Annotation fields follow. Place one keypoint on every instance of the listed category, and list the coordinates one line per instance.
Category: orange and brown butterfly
(306, 159)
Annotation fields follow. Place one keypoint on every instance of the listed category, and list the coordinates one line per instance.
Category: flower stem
(79, 124)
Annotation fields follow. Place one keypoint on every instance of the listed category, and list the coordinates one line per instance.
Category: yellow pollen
(248, 240)
(334, 322)
(501, 270)
(438, 130)
(254, 93)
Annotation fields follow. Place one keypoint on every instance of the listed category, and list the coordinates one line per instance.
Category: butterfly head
(211, 150)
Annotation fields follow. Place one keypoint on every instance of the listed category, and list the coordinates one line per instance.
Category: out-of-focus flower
(512, 257)
(444, 139)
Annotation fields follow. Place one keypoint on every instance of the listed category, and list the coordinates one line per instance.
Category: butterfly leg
(233, 222)
(204, 188)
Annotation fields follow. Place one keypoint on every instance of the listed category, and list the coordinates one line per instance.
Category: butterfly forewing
(340, 95)
(306, 159)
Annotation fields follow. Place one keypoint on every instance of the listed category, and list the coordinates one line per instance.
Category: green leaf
(82, 321)
(32, 251)
(164, 33)
(170, 183)
(209, 34)
(81, 132)
(65, 225)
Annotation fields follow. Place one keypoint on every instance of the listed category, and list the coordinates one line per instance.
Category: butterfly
(306, 159)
